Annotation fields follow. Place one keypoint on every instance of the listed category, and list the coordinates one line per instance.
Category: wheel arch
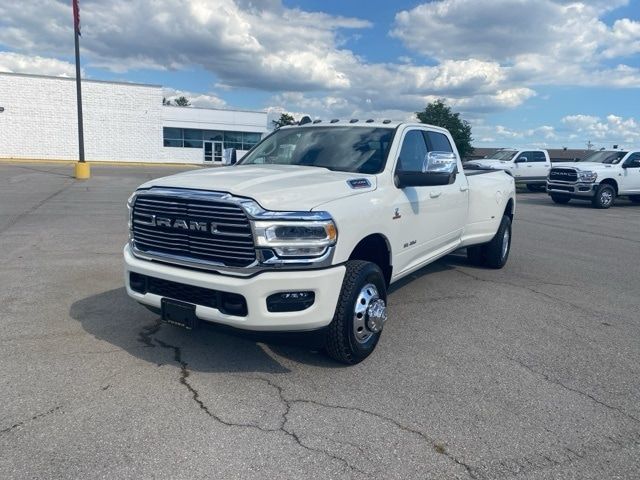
(375, 248)
(612, 182)
(508, 210)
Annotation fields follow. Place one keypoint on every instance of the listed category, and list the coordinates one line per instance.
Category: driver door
(631, 177)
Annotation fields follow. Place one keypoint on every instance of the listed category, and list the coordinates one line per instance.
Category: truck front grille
(192, 228)
(563, 175)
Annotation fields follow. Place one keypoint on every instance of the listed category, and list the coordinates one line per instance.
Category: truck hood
(584, 166)
(274, 187)
(495, 164)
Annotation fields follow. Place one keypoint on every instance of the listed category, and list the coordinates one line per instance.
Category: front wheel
(560, 199)
(604, 197)
(360, 314)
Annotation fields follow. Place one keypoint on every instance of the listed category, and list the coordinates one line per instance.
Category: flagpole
(82, 169)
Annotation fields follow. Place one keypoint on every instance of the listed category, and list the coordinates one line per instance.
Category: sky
(539, 73)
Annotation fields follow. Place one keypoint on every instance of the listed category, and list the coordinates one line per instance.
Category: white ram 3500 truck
(310, 228)
(599, 178)
(528, 167)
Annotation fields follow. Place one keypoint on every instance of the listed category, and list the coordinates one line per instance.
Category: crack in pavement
(531, 289)
(564, 227)
(565, 456)
(555, 381)
(591, 313)
(20, 216)
(146, 337)
(35, 417)
(437, 446)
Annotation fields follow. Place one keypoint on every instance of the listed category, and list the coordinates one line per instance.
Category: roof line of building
(222, 109)
(54, 77)
(132, 84)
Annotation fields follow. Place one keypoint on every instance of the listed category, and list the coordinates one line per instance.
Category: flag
(76, 16)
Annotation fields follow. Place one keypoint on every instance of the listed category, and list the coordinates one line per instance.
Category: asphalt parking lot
(528, 372)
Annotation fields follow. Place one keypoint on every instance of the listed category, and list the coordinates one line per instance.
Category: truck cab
(599, 178)
(528, 167)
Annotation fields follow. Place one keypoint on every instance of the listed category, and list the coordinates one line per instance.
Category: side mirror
(438, 168)
(522, 160)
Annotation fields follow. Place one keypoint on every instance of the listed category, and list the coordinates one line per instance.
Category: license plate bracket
(179, 313)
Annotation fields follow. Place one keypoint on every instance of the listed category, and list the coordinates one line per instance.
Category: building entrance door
(213, 151)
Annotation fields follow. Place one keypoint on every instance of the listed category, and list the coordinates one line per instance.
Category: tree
(165, 101)
(182, 102)
(439, 113)
(285, 119)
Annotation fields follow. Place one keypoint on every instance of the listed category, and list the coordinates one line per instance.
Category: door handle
(464, 188)
(529, 166)
(435, 194)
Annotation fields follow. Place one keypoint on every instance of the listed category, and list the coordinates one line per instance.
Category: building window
(212, 135)
(249, 140)
(172, 137)
(194, 138)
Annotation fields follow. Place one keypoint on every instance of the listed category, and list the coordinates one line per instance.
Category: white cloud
(572, 131)
(18, 63)
(263, 45)
(534, 42)
(610, 130)
(488, 55)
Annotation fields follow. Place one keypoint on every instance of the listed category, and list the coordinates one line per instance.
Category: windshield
(346, 149)
(504, 155)
(610, 158)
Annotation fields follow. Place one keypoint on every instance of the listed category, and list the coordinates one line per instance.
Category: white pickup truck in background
(528, 167)
(598, 178)
(310, 228)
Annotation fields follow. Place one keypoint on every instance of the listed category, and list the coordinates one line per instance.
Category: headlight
(296, 238)
(587, 176)
(130, 201)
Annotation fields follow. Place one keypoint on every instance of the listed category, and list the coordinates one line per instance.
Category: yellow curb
(98, 163)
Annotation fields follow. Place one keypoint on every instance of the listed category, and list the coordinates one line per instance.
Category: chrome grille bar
(169, 225)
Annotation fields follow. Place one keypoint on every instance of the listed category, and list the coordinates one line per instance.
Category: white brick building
(122, 122)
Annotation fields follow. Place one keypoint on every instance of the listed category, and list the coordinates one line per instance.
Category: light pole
(82, 170)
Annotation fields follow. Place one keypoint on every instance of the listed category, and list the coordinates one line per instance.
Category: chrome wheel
(506, 238)
(606, 197)
(369, 313)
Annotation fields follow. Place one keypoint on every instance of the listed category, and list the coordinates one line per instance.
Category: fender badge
(359, 183)
(396, 214)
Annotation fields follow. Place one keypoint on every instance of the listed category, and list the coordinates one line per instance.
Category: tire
(475, 255)
(560, 199)
(532, 187)
(604, 197)
(497, 252)
(634, 198)
(343, 343)
(493, 254)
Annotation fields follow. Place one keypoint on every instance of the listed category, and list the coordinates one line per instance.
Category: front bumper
(573, 190)
(325, 283)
